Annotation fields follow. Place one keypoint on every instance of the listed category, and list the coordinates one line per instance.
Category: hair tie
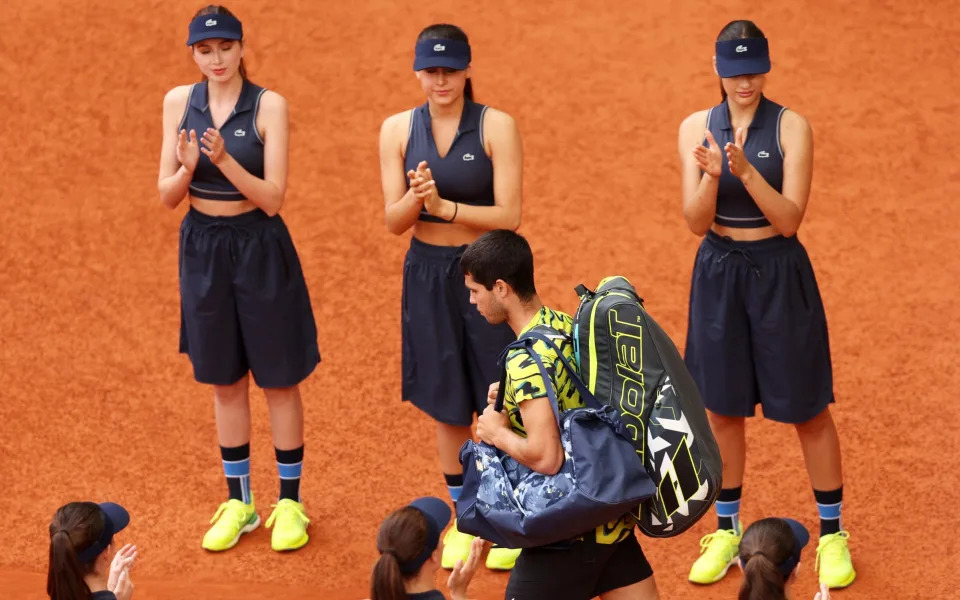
(758, 554)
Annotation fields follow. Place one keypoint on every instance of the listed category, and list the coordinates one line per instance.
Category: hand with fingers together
(213, 145)
(709, 158)
(123, 589)
(463, 571)
(122, 561)
(427, 192)
(188, 152)
(739, 166)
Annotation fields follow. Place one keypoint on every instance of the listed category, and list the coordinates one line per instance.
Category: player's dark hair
(400, 539)
(765, 544)
(76, 525)
(737, 30)
(445, 31)
(501, 254)
(216, 9)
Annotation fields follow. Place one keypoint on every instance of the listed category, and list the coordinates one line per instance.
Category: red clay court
(95, 401)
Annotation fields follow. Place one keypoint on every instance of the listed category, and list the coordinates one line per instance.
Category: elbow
(392, 226)
(697, 226)
(551, 462)
(513, 222)
(273, 207)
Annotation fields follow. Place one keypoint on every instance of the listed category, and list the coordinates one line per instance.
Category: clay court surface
(98, 404)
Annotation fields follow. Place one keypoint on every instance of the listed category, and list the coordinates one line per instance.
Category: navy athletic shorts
(581, 571)
(450, 351)
(757, 332)
(244, 303)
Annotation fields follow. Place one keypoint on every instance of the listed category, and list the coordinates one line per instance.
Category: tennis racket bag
(629, 363)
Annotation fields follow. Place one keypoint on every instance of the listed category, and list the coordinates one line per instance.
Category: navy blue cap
(437, 514)
(204, 27)
(450, 54)
(744, 56)
(800, 538)
(115, 518)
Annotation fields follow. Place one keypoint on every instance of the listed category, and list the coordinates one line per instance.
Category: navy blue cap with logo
(437, 514)
(443, 53)
(115, 518)
(205, 27)
(743, 56)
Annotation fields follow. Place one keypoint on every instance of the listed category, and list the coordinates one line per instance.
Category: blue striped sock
(290, 468)
(829, 505)
(454, 485)
(728, 509)
(236, 468)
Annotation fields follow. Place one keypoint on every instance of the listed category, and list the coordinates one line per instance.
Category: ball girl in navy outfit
(451, 170)
(757, 330)
(82, 540)
(245, 307)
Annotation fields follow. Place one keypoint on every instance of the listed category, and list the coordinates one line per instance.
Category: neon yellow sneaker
(456, 546)
(233, 519)
(290, 531)
(834, 565)
(502, 559)
(718, 552)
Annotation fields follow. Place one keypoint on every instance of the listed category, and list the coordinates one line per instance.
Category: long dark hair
(75, 525)
(216, 9)
(445, 31)
(765, 544)
(401, 537)
(737, 30)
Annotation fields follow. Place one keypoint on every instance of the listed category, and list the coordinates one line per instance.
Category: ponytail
(387, 582)
(75, 525)
(468, 90)
(65, 574)
(401, 539)
(761, 580)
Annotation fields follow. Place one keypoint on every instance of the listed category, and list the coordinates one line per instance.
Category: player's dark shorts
(450, 351)
(581, 571)
(757, 332)
(244, 303)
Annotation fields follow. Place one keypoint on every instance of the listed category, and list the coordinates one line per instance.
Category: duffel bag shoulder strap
(525, 344)
(585, 394)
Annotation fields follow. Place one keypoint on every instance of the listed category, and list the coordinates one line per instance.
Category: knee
(818, 425)
(724, 424)
(284, 395)
(233, 393)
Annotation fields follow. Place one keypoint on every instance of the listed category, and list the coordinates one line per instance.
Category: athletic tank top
(240, 139)
(465, 174)
(735, 207)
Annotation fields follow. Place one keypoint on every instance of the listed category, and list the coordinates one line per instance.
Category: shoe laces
(286, 508)
(233, 511)
(724, 535)
(832, 546)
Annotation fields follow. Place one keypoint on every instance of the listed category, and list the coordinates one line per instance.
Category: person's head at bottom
(81, 546)
(770, 558)
(410, 549)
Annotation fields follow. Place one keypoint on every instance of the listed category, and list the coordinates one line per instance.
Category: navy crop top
(465, 174)
(240, 139)
(735, 207)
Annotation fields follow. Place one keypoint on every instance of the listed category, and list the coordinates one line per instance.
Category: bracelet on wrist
(456, 208)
